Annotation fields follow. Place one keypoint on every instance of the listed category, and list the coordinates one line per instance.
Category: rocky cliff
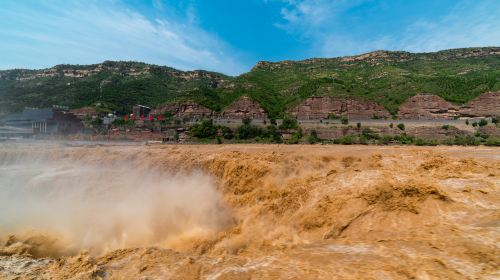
(84, 112)
(185, 110)
(321, 107)
(244, 107)
(125, 69)
(486, 105)
(383, 56)
(427, 106)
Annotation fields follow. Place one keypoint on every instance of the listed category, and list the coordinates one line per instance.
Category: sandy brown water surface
(249, 212)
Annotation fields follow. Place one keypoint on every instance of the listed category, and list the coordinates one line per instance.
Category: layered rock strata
(427, 106)
(322, 107)
(244, 107)
(185, 110)
(485, 105)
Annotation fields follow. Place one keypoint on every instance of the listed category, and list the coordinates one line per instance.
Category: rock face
(83, 112)
(185, 110)
(244, 107)
(435, 132)
(320, 107)
(427, 106)
(491, 130)
(422, 132)
(486, 105)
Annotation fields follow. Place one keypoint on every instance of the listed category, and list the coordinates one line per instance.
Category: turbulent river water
(99, 207)
(248, 212)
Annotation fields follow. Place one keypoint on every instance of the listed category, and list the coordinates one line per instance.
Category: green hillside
(388, 78)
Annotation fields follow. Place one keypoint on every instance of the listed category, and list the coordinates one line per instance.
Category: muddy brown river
(248, 212)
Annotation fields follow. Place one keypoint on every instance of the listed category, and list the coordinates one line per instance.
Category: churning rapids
(248, 212)
(99, 207)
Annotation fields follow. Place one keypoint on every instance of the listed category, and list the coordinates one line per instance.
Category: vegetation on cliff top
(388, 78)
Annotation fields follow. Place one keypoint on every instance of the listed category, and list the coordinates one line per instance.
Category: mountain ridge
(387, 77)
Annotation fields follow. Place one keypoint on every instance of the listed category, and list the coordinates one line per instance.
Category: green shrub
(358, 125)
(401, 126)
(481, 135)
(313, 137)
(466, 122)
(332, 116)
(425, 142)
(493, 141)
(205, 129)
(295, 138)
(385, 140)
(116, 122)
(404, 139)
(369, 134)
(248, 131)
(445, 127)
(483, 122)
(363, 140)
(288, 123)
(246, 121)
(226, 132)
(273, 134)
(391, 125)
(463, 141)
(344, 120)
(346, 140)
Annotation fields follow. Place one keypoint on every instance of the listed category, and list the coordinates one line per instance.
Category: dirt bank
(284, 212)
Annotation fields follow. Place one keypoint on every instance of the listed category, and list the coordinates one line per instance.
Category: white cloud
(312, 17)
(94, 31)
(320, 22)
(463, 26)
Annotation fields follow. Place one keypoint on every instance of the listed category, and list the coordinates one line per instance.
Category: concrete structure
(140, 110)
(41, 121)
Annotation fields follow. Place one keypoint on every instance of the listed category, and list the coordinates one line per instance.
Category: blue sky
(230, 36)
